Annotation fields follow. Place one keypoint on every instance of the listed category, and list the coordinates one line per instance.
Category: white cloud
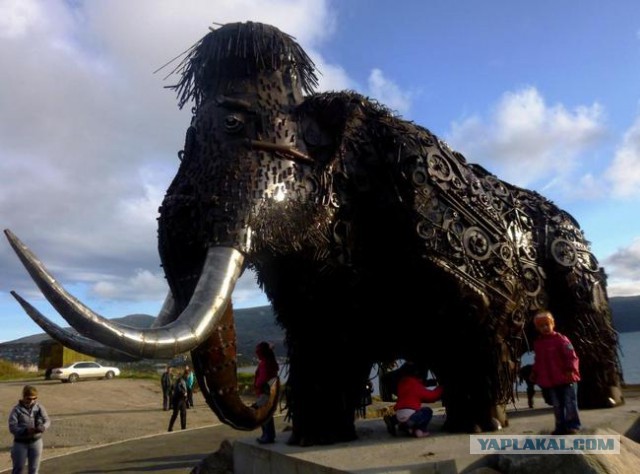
(623, 288)
(527, 141)
(587, 187)
(624, 172)
(332, 77)
(20, 17)
(388, 92)
(626, 261)
(142, 286)
(623, 267)
(90, 136)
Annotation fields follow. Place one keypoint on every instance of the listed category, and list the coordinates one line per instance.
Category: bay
(629, 358)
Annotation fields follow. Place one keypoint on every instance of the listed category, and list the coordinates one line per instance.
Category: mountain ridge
(258, 323)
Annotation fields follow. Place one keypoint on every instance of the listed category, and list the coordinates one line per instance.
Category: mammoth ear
(322, 119)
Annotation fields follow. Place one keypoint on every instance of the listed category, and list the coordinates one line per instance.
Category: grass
(11, 371)
(150, 374)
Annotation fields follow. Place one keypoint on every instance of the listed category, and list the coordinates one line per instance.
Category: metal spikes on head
(214, 57)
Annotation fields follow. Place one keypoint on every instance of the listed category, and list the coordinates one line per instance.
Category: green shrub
(149, 373)
(11, 371)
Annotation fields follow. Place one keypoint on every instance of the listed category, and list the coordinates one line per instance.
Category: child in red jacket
(410, 415)
(555, 369)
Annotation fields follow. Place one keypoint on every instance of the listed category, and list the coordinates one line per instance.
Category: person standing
(166, 381)
(267, 369)
(524, 375)
(556, 369)
(179, 400)
(191, 380)
(27, 421)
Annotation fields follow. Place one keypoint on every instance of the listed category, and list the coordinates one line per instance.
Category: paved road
(180, 451)
(168, 453)
(176, 452)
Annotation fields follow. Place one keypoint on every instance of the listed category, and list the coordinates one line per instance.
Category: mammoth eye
(233, 123)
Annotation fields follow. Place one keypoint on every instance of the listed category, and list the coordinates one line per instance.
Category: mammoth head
(243, 157)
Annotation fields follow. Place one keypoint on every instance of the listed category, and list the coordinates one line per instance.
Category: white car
(84, 370)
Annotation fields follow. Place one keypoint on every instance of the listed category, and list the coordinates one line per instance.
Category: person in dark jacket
(179, 402)
(27, 421)
(166, 381)
(267, 369)
(556, 369)
(524, 375)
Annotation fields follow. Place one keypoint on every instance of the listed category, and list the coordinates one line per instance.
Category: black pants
(531, 391)
(179, 406)
(189, 397)
(166, 399)
(269, 430)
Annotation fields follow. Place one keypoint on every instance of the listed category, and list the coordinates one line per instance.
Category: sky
(545, 95)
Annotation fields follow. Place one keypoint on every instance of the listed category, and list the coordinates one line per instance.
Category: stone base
(377, 452)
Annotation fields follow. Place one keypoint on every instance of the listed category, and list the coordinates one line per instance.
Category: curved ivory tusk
(74, 341)
(220, 272)
(167, 313)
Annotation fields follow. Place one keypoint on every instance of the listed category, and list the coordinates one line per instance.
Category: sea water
(629, 358)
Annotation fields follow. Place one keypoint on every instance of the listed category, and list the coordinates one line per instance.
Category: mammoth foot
(494, 419)
(471, 427)
(315, 439)
(591, 397)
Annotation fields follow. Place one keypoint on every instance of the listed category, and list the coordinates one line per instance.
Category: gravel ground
(96, 412)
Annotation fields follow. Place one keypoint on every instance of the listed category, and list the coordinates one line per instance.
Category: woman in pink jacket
(556, 370)
(267, 369)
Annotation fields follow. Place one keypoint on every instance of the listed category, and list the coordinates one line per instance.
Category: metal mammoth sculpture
(372, 239)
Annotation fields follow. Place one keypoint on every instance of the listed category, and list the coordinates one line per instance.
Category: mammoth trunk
(214, 362)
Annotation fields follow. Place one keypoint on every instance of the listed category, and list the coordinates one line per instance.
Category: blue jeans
(23, 452)
(420, 419)
(565, 408)
(269, 430)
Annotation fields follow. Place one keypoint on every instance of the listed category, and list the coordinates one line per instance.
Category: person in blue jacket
(191, 380)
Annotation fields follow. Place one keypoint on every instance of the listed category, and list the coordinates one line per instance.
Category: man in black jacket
(167, 385)
(179, 402)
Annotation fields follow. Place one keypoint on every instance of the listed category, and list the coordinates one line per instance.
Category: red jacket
(556, 362)
(264, 372)
(411, 393)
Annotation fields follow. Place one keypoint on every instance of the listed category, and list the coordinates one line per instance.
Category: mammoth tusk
(167, 313)
(220, 272)
(74, 341)
(215, 367)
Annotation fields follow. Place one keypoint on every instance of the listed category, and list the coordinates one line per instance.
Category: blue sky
(544, 94)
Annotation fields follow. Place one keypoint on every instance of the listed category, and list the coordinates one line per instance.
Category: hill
(257, 324)
(626, 313)
(252, 326)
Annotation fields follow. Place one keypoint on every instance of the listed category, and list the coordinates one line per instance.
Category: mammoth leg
(579, 304)
(471, 375)
(324, 387)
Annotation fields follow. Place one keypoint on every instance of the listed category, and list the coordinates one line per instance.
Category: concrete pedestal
(376, 451)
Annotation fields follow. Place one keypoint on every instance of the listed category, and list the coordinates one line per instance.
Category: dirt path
(96, 412)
